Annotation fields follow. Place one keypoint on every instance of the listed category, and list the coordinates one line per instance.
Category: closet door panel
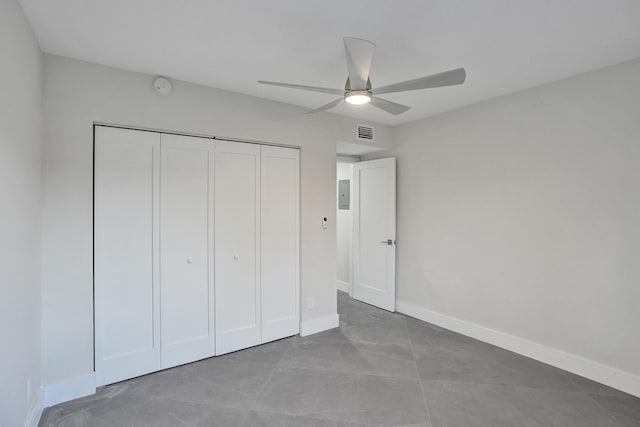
(237, 224)
(126, 230)
(279, 242)
(186, 249)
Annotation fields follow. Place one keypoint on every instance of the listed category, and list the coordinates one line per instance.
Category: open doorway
(366, 228)
(344, 222)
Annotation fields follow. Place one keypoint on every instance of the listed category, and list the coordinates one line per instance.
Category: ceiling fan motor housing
(347, 86)
(357, 96)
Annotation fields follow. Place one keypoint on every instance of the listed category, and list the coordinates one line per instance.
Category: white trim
(342, 158)
(595, 371)
(314, 326)
(35, 410)
(344, 286)
(197, 135)
(69, 389)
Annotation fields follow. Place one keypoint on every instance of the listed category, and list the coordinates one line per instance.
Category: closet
(196, 249)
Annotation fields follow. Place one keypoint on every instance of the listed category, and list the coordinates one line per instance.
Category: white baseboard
(608, 375)
(69, 389)
(35, 410)
(314, 326)
(344, 286)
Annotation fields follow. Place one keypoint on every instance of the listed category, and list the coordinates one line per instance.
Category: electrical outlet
(29, 389)
(311, 303)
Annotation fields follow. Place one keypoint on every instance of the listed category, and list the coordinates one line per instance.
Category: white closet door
(186, 248)
(126, 230)
(237, 244)
(279, 242)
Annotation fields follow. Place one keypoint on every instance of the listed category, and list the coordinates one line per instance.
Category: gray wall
(78, 93)
(522, 214)
(20, 195)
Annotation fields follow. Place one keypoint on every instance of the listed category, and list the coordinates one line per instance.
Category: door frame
(351, 161)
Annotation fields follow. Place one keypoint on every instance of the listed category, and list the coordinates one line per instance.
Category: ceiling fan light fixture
(358, 90)
(357, 97)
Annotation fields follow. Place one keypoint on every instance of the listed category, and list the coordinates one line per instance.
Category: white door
(126, 231)
(186, 248)
(237, 246)
(374, 232)
(280, 220)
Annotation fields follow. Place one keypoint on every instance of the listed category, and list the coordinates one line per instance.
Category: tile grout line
(518, 386)
(583, 391)
(415, 361)
(371, 374)
(354, 343)
(578, 390)
(332, 371)
(264, 386)
(312, 416)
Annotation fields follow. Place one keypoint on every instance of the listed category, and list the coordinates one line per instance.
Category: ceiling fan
(358, 89)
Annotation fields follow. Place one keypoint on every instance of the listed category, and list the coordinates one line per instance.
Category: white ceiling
(505, 45)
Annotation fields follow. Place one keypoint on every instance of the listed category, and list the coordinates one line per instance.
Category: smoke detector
(162, 86)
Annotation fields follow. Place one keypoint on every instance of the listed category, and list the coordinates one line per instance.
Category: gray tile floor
(378, 368)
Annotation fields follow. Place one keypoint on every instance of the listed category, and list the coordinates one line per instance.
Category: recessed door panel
(126, 231)
(237, 243)
(279, 242)
(373, 199)
(186, 249)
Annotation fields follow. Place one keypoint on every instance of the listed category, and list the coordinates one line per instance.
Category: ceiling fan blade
(303, 87)
(326, 106)
(446, 78)
(359, 56)
(388, 106)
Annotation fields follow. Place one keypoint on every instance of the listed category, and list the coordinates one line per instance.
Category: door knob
(387, 242)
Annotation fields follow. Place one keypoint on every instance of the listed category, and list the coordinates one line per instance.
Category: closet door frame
(135, 369)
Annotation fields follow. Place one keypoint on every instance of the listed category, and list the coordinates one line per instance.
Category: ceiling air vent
(365, 133)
